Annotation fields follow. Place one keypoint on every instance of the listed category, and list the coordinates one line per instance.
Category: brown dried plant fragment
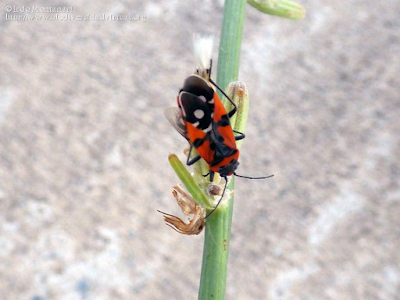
(215, 189)
(189, 208)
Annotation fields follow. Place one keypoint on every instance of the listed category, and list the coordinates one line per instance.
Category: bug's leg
(193, 160)
(219, 201)
(189, 161)
(211, 176)
(233, 111)
(240, 135)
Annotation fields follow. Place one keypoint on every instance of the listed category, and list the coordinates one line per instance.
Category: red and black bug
(203, 120)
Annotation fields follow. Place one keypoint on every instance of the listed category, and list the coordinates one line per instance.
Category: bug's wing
(174, 116)
(198, 119)
(196, 111)
(196, 85)
(222, 121)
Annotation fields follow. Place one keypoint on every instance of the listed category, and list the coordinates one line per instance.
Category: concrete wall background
(84, 146)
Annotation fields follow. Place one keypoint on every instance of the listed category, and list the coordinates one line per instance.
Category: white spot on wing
(208, 129)
(199, 114)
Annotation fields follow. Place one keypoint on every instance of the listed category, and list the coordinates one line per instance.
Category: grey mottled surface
(84, 146)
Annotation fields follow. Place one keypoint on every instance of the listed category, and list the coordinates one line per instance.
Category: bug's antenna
(226, 182)
(248, 177)
(219, 201)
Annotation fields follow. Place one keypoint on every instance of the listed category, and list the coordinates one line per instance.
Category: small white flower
(203, 45)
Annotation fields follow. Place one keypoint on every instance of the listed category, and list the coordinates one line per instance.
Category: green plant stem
(231, 42)
(215, 254)
(217, 233)
(189, 182)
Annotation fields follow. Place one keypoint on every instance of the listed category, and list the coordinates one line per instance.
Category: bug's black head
(229, 168)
